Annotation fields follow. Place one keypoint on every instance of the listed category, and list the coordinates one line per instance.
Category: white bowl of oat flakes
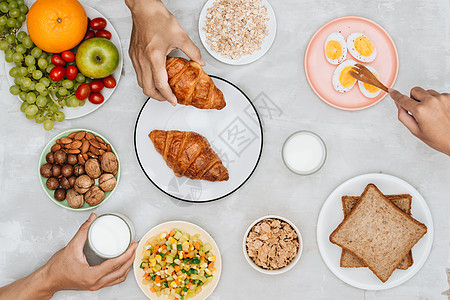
(237, 32)
(272, 245)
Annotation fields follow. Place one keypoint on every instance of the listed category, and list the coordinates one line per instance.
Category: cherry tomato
(57, 60)
(109, 82)
(57, 73)
(96, 98)
(83, 91)
(68, 56)
(90, 34)
(71, 72)
(103, 34)
(98, 23)
(96, 86)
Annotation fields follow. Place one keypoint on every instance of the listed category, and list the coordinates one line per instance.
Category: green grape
(27, 42)
(9, 56)
(21, 49)
(48, 116)
(48, 125)
(21, 35)
(22, 71)
(14, 90)
(21, 18)
(62, 91)
(53, 108)
(80, 78)
(40, 87)
(88, 80)
(63, 102)
(17, 57)
(49, 68)
(12, 5)
(68, 84)
(23, 96)
(18, 24)
(59, 116)
(18, 64)
(44, 93)
(45, 81)
(18, 80)
(76, 85)
(42, 63)
(14, 13)
(81, 102)
(29, 117)
(14, 72)
(23, 9)
(41, 101)
(10, 39)
(31, 110)
(31, 69)
(53, 88)
(3, 20)
(37, 75)
(49, 59)
(32, 86)
(19, 2)
(26, 82)
(4, 7)
(3, 45)
(30, 60)
(39, 118)
(31, 98)
(36, 52)
(11, 23)
(44, 55)
(72, 101)
(24, 106)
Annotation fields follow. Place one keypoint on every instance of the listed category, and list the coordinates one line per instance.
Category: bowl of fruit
(79, 169)
(64, 72)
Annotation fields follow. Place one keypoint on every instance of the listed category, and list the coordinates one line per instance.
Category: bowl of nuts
(79, 169)
(272, 245)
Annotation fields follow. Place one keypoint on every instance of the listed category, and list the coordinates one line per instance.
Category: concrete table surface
(32, 228)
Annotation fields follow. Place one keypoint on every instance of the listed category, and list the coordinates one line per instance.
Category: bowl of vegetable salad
(177, 260)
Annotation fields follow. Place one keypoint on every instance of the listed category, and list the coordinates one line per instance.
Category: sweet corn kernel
(152, 261)
(214, 270)
(180, 254)
(173, 284)
(163, 235)
(212, 258)
(158, 258)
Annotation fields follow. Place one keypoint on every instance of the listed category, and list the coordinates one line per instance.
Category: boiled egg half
(335, 48)
(368, 90)
(361, 48)
(342, 80)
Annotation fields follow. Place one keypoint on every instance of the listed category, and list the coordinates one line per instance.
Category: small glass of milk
(110, 235)
(304, 152)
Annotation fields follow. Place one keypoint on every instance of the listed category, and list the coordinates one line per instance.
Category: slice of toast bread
(402, 201)
(378, 233)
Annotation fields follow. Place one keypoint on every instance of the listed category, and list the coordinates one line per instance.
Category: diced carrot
(148, 278)
(172, 232)
(157, 279)
(163, 247)
(152, 289)
(211, 264)
(177, 281)
(177, 268)
(156, 249)
(145, 275)
(146, 268)
(197, 245)
(189, 284)
(202, 257)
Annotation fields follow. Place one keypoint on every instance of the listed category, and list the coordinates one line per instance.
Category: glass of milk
(110, 235)
(304, 152)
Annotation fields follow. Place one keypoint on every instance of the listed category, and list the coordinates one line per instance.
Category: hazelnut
(52, 183)
(74, 199)
(67, 170)
(92, 168)
(110, 164)
(72, 181)
(56, 170)
(46, 170)
(65, 184)
(72, 159)
(94, 196)
(60, 194)
(83, 183)
(60, 157)
(107, 182)
(50, 158)
(78, 170)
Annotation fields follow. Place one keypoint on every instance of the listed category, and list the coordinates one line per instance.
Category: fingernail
(92, 216)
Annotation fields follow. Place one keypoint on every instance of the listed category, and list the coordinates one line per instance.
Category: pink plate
(319, 71)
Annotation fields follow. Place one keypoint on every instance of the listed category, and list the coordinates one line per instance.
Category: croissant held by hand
(192, 86)
(189, 154)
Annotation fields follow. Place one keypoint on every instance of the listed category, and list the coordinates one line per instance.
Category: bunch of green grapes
(42, 97)
(12, 15)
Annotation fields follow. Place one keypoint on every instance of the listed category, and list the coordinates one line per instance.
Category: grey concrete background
(372, 140)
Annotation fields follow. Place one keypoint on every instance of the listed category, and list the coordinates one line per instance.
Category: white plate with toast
(331, 215)
(234, 133)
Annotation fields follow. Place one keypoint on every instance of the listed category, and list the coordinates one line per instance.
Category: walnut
(94, 196)
(74, 199)
(107, 182)
(92, 168)
(110, 164)
(83, 183)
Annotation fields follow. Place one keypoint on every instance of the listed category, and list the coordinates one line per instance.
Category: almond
(80, 135)
(81, 160)
(108, 147)
(91, 155)
(55, 147)
(58, 141)
(94, 143)
(100, 139)
(73, 151)
(72, 135)
(89, 136)
(85, 146)
(101, 151)
(94, 150)
(75, 144)
(103, 147)
(66, 140)
(85, 156)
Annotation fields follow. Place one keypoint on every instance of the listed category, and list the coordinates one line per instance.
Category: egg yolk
(333, 50)
(364, 46)
(345, 78)
(371, 88)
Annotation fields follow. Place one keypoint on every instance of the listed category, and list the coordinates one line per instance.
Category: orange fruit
(57, 25)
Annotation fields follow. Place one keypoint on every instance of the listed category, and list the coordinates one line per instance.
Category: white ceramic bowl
(279, 271)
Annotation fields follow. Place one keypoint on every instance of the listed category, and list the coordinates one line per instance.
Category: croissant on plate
(192, 86)
(189, 154)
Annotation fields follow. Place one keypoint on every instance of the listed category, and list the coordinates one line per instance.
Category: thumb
(192, 51)
(80, 237)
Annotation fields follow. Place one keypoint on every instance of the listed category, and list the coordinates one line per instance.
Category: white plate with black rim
(246, 59)
(81, 111)
(235, 134)
(331, 216)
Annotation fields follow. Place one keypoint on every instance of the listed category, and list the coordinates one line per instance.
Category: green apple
(97, 58)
